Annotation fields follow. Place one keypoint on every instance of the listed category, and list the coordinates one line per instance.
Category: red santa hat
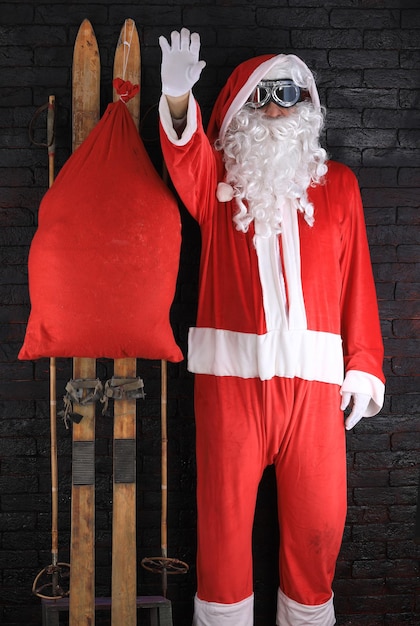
(246, 77)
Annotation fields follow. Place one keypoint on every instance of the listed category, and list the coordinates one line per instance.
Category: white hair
(289, 68)
(270, 160)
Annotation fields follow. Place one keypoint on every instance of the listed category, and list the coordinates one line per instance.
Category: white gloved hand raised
(360, 402)
(180, 68)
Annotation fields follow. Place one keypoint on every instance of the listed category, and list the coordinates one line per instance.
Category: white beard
(273, 161)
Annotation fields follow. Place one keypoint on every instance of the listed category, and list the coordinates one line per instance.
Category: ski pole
(164, 471)
(56, 570)
(164, 564)
(53, 369)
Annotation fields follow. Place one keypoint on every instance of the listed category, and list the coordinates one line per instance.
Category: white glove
(180, 68)
(360, 402)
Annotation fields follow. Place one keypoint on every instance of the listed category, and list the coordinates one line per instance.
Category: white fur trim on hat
(258, 74)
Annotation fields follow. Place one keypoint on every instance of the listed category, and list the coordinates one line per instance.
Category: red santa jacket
(254, 318)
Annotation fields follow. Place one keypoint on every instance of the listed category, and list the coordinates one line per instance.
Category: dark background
(366, 57)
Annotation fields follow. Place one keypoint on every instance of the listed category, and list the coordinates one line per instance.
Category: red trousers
(244, 425)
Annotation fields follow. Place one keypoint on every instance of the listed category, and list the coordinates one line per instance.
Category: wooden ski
(124, 557)
(85, 114)
(127, 65)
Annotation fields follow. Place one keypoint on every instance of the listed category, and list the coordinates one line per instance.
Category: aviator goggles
(285, 93)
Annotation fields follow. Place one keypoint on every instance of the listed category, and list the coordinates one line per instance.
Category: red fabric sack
(104, 260)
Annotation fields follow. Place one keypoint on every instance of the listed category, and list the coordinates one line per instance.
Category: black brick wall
(366, 57)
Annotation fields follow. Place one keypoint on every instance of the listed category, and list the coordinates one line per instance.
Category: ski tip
(86, 40)
(85, 27)
(128, 34)
(85, 83)
(127, 65)
(128, 23)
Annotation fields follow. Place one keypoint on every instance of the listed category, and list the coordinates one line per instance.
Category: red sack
(104, 260)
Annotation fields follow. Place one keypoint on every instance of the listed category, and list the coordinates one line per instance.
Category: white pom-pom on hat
(224, 192)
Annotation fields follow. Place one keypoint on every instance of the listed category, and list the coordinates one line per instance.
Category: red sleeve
(360, 327)
(192, 168)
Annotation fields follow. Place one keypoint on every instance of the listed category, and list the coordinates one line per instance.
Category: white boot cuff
(291, 613)
(215, 614)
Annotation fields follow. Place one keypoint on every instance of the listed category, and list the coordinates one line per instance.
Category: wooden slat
(127, 64)
(124, 551)
(85, 114)
(86, 76)
(124, 558)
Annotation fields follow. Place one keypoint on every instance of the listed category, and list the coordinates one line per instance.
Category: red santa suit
(284, 324)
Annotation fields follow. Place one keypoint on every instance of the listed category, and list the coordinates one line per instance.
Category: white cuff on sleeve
(168, 124)
(356, 381)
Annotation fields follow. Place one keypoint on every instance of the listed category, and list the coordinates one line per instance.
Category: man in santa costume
(287, 332)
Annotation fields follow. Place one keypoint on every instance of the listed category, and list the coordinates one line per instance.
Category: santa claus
(287, 333)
